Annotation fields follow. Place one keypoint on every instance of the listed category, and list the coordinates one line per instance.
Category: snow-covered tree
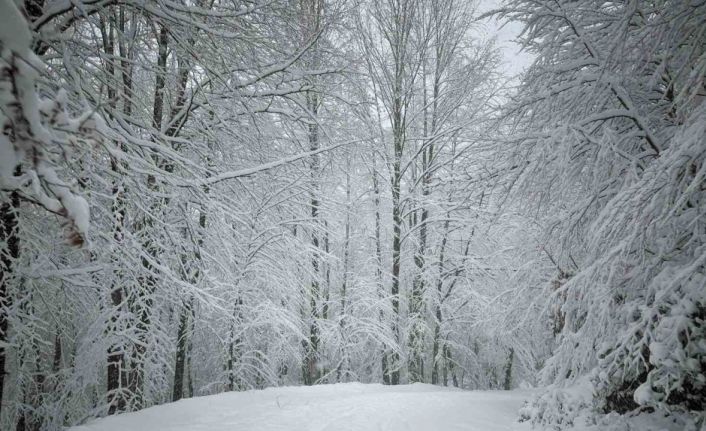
(608, 144)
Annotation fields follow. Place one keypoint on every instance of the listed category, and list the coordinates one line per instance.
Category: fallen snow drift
(339, 407)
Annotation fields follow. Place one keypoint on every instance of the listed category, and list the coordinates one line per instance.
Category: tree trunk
(234, 346)
(507, 384)
(378, 268)
(416, 302)
(142, 306)
(396, 254)
(343, 365)
(437, 345)
(189, 356)
(311, 14)
(116, 364)
(182, 343)
(9, 236)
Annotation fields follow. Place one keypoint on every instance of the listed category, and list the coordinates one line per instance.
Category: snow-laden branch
(33, 125)
(260, 168)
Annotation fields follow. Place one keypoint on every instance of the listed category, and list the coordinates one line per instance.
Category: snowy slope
(340, 407)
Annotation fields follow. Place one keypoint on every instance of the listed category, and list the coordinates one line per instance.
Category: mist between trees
(202, 196)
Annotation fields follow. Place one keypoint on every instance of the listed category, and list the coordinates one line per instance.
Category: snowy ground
(340, 407)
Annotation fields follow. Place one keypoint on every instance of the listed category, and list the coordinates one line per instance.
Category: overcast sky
(514, 60)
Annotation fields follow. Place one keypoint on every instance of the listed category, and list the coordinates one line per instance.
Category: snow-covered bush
(559, 407)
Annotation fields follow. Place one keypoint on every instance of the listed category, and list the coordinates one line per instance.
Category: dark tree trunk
(378, 269)
(117, 377)
(116, 368)
(436, 346)
(9, 237)
(234, 347)
(142, 305)
(182, 343)
(190, 386)
(507, 384)
(394, 357)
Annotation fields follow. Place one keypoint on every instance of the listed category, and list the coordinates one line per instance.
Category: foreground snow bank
(340, 407)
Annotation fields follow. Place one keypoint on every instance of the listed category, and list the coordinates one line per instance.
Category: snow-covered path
(340, 407)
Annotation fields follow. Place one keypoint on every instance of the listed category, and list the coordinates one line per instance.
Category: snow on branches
(611, 123)
(37, 131)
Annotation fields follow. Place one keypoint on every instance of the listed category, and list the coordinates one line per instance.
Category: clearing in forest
(339, 407)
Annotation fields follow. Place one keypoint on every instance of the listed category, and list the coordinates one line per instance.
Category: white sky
(514, 61)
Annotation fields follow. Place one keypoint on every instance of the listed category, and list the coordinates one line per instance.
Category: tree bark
(180, 361)
(507, 384)
(116, 367)
(9, 237)
(311, 14)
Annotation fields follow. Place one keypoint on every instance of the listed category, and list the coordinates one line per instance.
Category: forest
(209, 196)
